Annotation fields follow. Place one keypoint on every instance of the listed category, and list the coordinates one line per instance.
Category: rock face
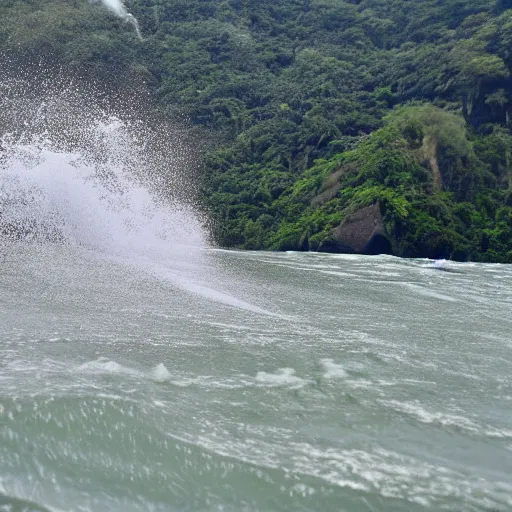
(362, 232)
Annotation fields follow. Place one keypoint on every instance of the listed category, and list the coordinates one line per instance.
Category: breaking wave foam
(283, 377)
(78, 174)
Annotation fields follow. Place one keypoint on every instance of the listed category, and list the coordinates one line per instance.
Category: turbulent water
(142, 370)
(325, 383)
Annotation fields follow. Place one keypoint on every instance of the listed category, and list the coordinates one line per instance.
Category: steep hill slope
(319, 108)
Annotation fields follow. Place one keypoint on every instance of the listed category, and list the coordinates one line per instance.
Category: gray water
(338, 383)
(143, 370)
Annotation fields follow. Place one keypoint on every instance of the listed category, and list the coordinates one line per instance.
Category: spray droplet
(161, 374)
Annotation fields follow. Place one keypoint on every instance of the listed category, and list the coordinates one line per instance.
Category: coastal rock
(362, 232)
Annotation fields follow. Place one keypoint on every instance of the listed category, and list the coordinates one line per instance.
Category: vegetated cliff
(388, 118)
(432, 194)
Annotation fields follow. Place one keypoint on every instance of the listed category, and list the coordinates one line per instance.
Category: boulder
(362, 232)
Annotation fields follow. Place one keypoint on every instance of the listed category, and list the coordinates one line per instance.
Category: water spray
(117, 7)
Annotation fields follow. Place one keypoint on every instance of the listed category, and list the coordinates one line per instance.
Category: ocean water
(311, 382)
(142, 369)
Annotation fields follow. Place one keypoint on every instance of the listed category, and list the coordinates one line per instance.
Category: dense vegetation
(318, 107)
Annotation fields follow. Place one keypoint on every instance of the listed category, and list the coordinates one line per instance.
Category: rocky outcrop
(362, 232)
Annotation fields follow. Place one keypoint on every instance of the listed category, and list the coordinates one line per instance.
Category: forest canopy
(317, 108)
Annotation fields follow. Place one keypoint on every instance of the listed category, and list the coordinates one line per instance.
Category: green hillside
(318, 108)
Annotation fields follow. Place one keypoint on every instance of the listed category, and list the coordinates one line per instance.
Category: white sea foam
(106, 366)
(70, 197)
(332, 369)
(498, 433)
(394, 475)
(283, 377)
(119, 9)
(110, 195)
(440, 264)
(160, 373)
(440, 418)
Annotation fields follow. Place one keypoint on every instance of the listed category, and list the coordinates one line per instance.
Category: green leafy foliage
(317, 108)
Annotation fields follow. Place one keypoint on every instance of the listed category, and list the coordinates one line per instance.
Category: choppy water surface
(141, 370)
(255, 381)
